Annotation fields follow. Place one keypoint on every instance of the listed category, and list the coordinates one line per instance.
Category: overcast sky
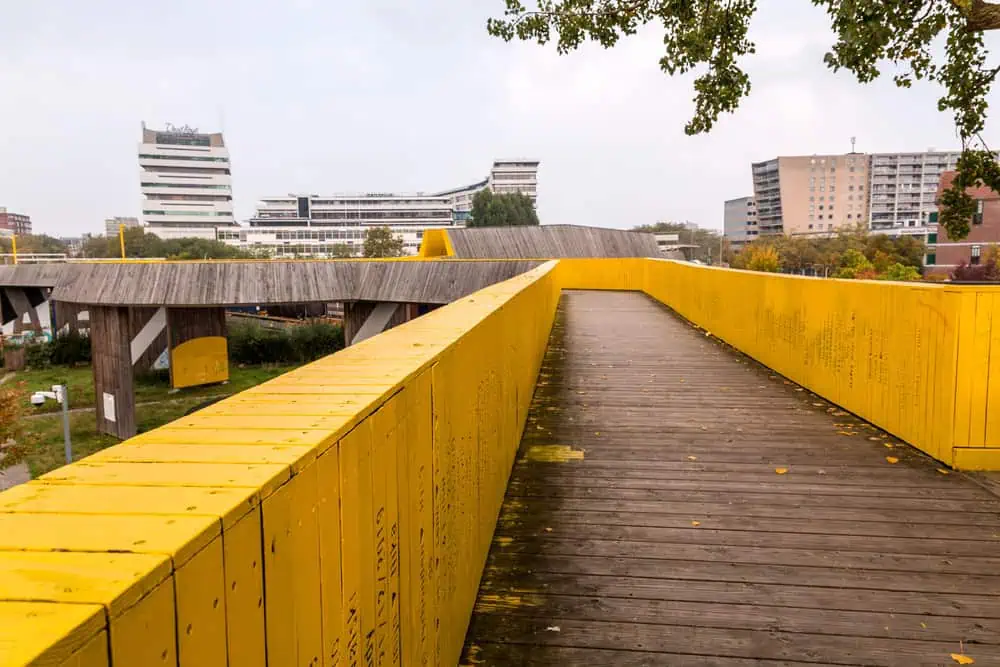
(381, 95)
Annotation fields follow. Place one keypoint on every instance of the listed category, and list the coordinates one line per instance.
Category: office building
(112, 225)
(811, 194)
(311, 224)
(15, 223)
(903, 190)
(740, 221)
(186, 182)
(943, 254)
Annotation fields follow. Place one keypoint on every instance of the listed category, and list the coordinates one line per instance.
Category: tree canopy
(140, 244)
(708, 241)
(381, 242)
(34, 243)
(710, 37)
(852, 253)
(502, 210)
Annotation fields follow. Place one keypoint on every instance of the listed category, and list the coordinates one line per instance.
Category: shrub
(900, 272)
(70, 349)
(763, 258)
(252, 344)
(38, 355)
(12, 398)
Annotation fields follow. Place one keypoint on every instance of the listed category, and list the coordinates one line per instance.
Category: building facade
(112, 225)
(186, 182)
(15, 223)
(740, 221)
(943, 254)
(312, 225)
(903, 190)
(811, 194)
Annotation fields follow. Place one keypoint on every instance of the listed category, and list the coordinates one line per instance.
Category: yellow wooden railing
(341, 514)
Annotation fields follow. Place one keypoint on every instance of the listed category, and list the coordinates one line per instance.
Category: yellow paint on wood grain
(199, 361)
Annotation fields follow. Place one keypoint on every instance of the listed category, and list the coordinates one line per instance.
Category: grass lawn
(43, 437)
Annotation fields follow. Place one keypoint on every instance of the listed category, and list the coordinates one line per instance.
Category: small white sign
(109, 407)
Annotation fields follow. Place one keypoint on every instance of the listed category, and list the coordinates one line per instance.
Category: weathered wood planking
(674, 540)
(112, 362)
(251, 283)
(550, 242)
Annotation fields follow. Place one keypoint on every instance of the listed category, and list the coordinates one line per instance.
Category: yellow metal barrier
(341, 514)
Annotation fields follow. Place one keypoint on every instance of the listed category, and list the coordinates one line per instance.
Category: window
(976, 252)
(829, 226)
(932, 237)
(849, 216)
(832, 188)
(977, 219)
(812, 199)
(852, 168)
(931, 259)
(821, 207)
(829, 217)
(810, 226)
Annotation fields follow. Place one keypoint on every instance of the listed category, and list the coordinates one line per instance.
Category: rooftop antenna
(853, 141)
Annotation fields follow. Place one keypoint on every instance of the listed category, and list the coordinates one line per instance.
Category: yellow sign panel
(199, 361)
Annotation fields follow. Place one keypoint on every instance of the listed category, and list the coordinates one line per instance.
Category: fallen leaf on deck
(818, 405)
(703, 428)
(548, 530)
(581, 392)
(889, 445)
(780, 471)
(962, 659)
(552, 628)
(696, 523)
(943, 471)
(923, 625)
(692, 458)
(892, 459)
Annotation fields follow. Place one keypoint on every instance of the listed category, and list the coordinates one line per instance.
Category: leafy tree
(143, 245)
(711, 37)
(12, 398)
(855, 265)
(988, 269)
(341, 251)
(502, 210)
(763, 258)
(381, 242)
(34, 243)
(900, 272)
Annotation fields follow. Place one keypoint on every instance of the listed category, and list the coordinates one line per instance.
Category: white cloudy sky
(377, 95)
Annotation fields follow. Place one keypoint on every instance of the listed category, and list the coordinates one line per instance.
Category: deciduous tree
(502, 210)
(381, 242)
(711, 38)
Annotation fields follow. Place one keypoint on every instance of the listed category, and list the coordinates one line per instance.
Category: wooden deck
(674, 503)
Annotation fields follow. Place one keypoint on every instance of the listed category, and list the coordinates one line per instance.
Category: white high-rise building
(903, 190)
(186, 182)
(310, 224)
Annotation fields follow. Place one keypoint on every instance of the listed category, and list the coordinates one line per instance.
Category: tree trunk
(983, 16)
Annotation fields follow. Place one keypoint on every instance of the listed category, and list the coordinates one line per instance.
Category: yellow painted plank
(965, 369)
(46, 633)
(229, 503)
(265, 423)
(993, 392)
(263, 476)
(980, 370)
(366, 525)
(291, 571)
(977, 458)
(199, 361)
(201, 609)
(116, 581)
(177, 536)
(306, 567)
(146, 634)
(386, 525)
(279, 595)
(169, 435)
(328, 470)
(250, 407)
(245, 591)
(414, 472)
(350, 454)
(291, 455)
(93, 654)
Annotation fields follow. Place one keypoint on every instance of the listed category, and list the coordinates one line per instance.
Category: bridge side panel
(886, 351)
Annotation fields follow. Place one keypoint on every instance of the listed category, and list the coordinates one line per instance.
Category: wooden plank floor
(646, 522)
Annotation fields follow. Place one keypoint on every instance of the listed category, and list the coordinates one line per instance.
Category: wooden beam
(196, 339)
(114, 391)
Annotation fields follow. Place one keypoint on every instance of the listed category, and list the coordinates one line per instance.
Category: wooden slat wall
(553, 241)
(112, 362)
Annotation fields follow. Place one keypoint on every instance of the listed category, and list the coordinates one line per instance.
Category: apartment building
(14, 223)
(112, 225)
(943, 254)
(186, 182)
(903, 190)
(740, 221)
(811, 194)
(311, 224)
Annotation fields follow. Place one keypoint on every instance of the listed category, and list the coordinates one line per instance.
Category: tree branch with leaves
(710, 37)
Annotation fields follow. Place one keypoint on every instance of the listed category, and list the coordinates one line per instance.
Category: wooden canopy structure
(537, 242)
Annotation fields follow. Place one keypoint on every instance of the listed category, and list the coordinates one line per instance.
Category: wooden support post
(148, 335)
(356, 313)
(110, 340)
